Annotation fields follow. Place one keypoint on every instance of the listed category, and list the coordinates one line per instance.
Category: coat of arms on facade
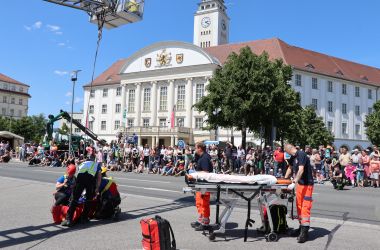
(179, 58)
(148, 62)
(164, 58)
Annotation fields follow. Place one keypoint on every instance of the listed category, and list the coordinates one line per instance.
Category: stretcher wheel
(272, 237)
(212, 236)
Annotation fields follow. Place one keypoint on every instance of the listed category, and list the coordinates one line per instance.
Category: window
(77, 130)
(21, 89)
(344, 89)
(5, 99)
(5, 86)
(198, 123)
(357, 129)
(13, 88)
(199, 92)
(180, 122)
(118, 108)
(344, 108)
(146, 99)
(105, 92)
(20, 101)
(104, 109)
(357, 91)
(357, 110)
(103, 125)
(146, 122)
(344, 128)
(314, 83)
(370, 111)
(3, 111)
(181, 97)
(330, 86)
(91, 125)
(118, 91)
(370, 94)
(12, 100)
(117, 124)
(163, 123)
(131, 101)
(163, 98)
(298, 80)
(19, 113)
(314, 103)
(11, 112)
(78, 120)
(92, 93)
(131, 123)
(330, 126)
(330, 106)
(91, 109)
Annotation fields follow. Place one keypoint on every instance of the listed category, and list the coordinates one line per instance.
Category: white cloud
(61, 44)
(27, 28)
(67, 103)
(78, 100)
(53, 28)
(59, 33)
(37, 25)
(60, 73)
(69, 94)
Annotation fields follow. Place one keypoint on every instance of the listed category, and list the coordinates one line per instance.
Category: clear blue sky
(40, 41)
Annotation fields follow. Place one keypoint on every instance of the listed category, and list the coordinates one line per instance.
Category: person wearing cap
(374, 170)
(89, 179)
(304, 184)
(64, 186)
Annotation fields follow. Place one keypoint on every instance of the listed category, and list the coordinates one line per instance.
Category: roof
(15, 92)
(4, 78)
(110, 76)
(298, 58)
(9, 135)
(304, 59)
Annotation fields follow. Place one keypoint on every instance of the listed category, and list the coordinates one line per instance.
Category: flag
(172, 122)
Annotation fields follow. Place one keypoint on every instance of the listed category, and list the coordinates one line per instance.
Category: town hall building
(141, 94)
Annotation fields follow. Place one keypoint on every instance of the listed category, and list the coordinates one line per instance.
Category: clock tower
(211, 24)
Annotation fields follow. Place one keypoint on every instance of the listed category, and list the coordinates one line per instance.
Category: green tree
(372, 124)
(307, 128)
(251, 93)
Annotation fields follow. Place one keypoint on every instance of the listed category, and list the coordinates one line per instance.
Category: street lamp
(216, 112)
(74, 78)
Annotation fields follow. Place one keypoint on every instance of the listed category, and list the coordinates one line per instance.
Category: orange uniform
(202, 201)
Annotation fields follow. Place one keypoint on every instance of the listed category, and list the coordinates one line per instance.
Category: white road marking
(47, 171)
(152, 189)
(164, 182)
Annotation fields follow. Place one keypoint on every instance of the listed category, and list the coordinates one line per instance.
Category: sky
(41, 43)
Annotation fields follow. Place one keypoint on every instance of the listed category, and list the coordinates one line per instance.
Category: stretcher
(267, 190)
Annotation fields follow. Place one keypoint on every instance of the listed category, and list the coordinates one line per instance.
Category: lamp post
(74, 78)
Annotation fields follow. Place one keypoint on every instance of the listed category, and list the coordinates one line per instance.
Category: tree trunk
(244, 138)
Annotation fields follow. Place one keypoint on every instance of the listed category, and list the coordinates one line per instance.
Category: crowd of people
(358, 168)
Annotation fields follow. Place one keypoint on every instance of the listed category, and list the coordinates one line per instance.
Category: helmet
(104, 170)
(71, 169)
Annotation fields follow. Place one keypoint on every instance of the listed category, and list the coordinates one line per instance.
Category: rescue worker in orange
(304, 184)
(202, 201)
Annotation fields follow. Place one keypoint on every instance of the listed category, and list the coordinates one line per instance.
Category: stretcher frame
(248, 192)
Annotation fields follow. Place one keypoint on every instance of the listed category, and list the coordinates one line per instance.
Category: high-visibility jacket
(88, 167)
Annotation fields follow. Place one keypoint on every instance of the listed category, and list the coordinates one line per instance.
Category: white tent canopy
(14, 139)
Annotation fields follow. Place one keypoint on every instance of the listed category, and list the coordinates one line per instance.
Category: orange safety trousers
(304, 195)
(202, 202)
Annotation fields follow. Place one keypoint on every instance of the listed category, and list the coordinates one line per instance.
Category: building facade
(78, 116)
(14, 98)
(152, 93)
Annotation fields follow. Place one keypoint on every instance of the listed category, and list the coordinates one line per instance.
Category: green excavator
(62, 141)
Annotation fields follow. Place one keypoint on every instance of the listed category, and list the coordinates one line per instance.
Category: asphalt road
(355, 205)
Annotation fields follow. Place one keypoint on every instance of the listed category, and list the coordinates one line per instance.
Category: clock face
(224, 26)
(206, 21)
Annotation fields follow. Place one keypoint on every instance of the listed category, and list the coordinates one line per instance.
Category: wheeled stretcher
(268, 192)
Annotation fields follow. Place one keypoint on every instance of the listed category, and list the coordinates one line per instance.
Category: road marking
(47, 171)
(151, 189)
(164, 182)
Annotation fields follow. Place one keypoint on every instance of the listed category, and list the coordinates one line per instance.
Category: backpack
(278, 214)
(157, 234)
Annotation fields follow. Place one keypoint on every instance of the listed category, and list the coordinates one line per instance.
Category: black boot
(67, 223)
(296, 232)
(304, 234)
(195, 224)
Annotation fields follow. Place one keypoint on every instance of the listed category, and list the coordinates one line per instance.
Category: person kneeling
(64, 186)
(109, 198)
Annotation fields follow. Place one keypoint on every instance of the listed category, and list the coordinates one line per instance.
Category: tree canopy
(372, 124)
(32, 128)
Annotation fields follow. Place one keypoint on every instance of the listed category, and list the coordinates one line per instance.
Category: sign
(181, 144)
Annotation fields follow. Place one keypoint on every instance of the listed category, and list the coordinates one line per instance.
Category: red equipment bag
(157, 234)
(59, 213)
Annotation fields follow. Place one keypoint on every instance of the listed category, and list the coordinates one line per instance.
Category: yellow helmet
(104, 170)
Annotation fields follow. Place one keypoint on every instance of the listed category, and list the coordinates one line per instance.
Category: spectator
(278, 158)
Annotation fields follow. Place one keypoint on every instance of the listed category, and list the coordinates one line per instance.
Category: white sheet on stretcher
(236, 179)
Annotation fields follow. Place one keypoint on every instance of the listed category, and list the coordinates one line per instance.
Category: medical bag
(157, 234)
(278, 214)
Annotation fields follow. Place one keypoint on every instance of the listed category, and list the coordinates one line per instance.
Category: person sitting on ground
(180, 167)
(337, 178)
(6, 157)
(65, 186)
(140, 168)
(168, 168)
(350, 171)
(128, 165)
